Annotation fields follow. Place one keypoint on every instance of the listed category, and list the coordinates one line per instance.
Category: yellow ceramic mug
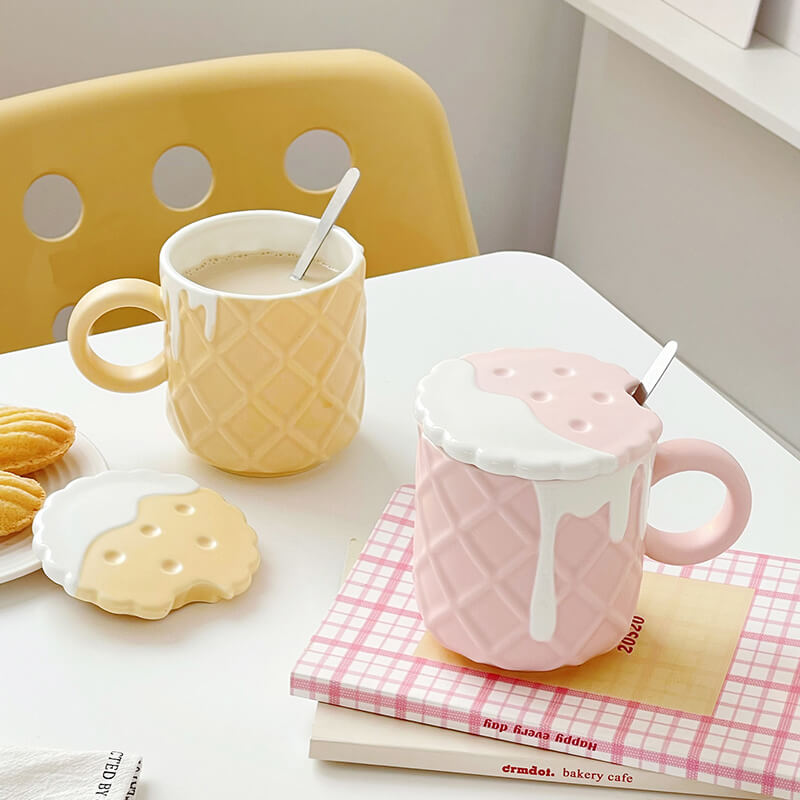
(258, 384)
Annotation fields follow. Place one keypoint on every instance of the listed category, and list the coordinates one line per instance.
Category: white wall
(686, 215)
(504, 70)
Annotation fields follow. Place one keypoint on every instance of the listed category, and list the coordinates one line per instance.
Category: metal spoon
(655, 373)
(326, 221)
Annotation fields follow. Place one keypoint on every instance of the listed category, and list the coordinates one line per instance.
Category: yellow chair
(242, 113)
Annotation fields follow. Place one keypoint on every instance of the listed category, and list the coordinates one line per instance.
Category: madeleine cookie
(20, 499)
(144, 543)
(31, 439)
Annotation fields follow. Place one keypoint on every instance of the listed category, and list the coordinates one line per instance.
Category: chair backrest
(242, 113)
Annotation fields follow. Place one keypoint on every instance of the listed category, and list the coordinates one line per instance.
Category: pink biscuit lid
(576, 418)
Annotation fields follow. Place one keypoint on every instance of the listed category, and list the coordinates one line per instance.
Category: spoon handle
(326, 221)
(654, 374)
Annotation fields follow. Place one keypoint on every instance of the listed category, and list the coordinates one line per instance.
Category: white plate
(83, 458)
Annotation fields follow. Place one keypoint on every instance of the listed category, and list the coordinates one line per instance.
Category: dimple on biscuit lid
(538, 414)
(144, 543)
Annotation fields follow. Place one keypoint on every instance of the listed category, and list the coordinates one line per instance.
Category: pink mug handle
(716, 536)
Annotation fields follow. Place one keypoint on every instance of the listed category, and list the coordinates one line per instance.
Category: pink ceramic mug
(533, 475)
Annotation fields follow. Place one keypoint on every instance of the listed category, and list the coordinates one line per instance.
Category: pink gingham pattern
(362, 657)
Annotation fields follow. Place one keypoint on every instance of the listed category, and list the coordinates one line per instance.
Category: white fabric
(57, 775)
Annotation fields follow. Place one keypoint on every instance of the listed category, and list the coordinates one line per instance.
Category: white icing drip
(195, 296)
(71, 519)
(455, 414)
(581, 499)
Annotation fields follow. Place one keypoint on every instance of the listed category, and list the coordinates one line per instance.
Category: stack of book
(705, 700)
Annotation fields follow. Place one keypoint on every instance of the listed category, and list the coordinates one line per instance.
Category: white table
(203, 694)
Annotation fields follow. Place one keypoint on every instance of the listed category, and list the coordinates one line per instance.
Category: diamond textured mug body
(477, 542)
(265, 377)
(279, 388)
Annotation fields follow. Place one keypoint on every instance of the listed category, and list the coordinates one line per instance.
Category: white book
(359, 737)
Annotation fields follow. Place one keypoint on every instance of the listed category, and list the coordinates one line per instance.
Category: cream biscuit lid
(539, 414)
(72, 518)
(144, 543)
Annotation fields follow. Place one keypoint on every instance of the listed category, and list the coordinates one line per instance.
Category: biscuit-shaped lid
(539, 414)
(142, 542)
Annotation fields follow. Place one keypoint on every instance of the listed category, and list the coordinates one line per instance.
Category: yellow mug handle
(122, 293)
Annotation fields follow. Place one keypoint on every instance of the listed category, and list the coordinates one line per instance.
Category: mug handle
(121, 293)
(717, 535)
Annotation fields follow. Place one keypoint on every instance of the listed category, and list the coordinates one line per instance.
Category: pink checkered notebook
(363, 656)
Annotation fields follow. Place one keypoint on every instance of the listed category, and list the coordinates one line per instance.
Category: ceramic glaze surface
(478, 548)
(534, 470)
(544, 453)
(89, 507)
(497, 432)
(574, 396)
(263, 384)
(271, 386)
(144, 543)
(195, 296)
(538, 414)
(259, 384)
(558, 500)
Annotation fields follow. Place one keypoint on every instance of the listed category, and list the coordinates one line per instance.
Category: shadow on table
(25, 590)
(68, 613)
